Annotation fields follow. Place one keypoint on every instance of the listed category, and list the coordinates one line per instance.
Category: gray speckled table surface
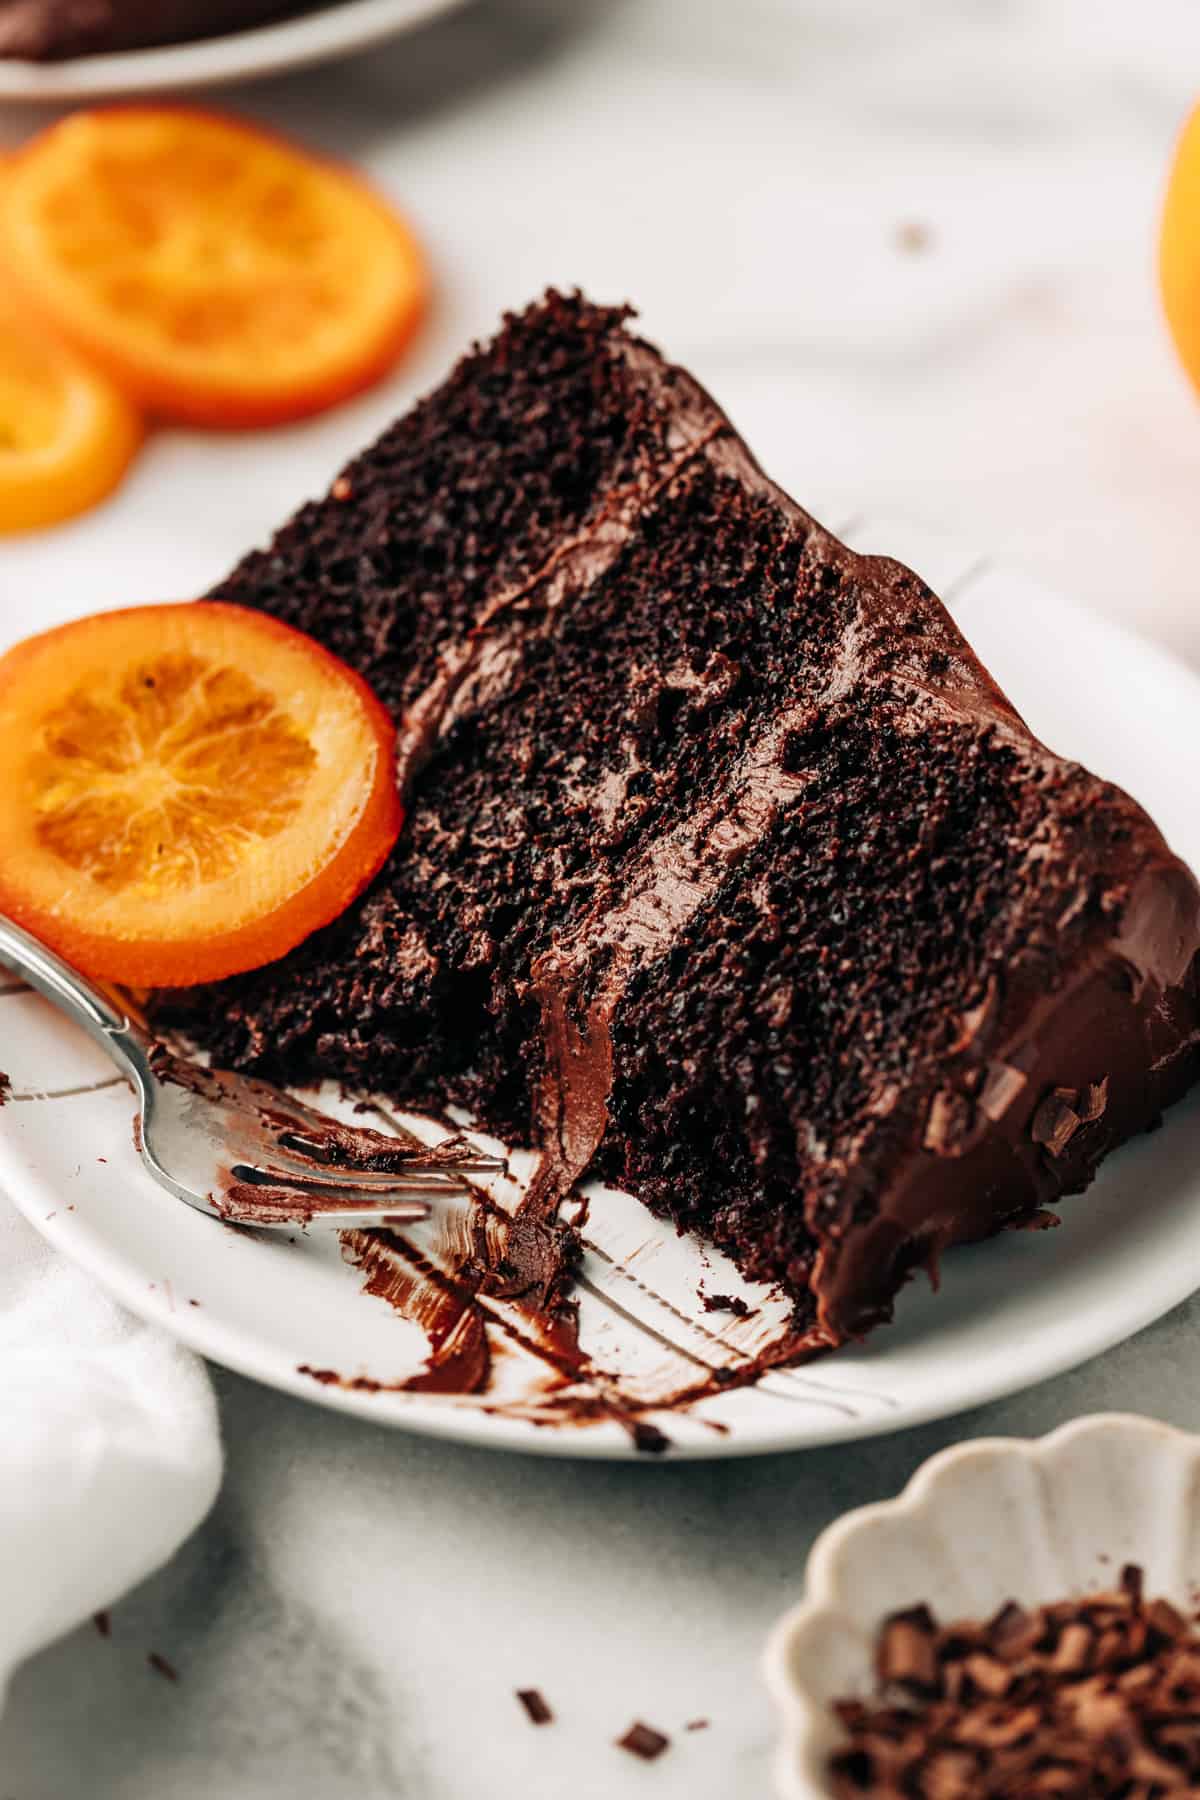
(355, 1615)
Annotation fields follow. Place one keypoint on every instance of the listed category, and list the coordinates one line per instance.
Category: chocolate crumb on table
(534, 1702)
(913, 237)
(1089, 1699)
(102, 1620)
(642, 1740)
(161, 1666)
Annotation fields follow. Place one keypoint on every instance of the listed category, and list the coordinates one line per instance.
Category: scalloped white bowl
(995, 1519)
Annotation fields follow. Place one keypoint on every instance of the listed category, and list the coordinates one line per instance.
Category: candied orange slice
(1179, 248)
(217, 273)
(189, 790)
(67, 435)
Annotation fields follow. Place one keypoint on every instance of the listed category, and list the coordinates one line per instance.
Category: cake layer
(729, 873)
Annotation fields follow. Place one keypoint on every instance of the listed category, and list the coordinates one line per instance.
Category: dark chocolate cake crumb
(1089, 1699)
(161, 1666)
(727, 1303)
(642, 1740)
(6, 1087)
(102, 1620)
(649, 1439)
(534, 1702)
(697, 1725)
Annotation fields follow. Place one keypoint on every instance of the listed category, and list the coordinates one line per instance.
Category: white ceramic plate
(1011, 1312)
(1041, 1519)
(318, 36)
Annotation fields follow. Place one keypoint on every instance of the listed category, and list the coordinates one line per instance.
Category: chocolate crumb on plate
(642, 1740)
(730, 1303)
(534, 1702)
(697, 1725)
(1082, 1699)
(102, 1620)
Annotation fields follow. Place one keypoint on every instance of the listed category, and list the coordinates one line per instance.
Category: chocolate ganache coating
(729, 873)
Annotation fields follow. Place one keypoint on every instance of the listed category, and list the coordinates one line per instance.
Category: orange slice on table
(220, 275)
(1179, 248)
(188, 790)
(67, 435)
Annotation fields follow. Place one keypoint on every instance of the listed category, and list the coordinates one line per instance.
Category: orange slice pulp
(189, 790)
(67, 435)
(217, 273)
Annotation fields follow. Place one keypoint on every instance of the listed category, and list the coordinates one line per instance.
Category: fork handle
(101, 1017)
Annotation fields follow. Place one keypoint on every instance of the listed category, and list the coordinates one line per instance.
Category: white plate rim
(320, 35)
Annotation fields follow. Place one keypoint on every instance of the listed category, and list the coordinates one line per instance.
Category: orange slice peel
(67, 435)
(220, 275)
(190, 790)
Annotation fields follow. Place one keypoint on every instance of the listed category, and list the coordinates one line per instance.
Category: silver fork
(239, 1148)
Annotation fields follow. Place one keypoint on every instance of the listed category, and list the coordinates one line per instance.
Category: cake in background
(49, 30)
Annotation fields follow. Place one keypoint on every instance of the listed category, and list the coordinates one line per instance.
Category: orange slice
(219, 274)
(66, 434)
(1179, 248)
(189, 790)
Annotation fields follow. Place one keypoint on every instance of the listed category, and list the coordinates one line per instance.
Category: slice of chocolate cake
(729, 873)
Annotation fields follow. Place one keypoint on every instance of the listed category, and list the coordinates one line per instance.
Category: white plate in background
(320, 35)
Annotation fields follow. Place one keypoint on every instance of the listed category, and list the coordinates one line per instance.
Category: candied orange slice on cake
(219, 274)
(189, 790)
(67, 435)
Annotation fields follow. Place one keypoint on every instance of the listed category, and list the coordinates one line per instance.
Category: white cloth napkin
(110, 1452)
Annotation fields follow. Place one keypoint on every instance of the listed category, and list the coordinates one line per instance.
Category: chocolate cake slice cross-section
(729, 874)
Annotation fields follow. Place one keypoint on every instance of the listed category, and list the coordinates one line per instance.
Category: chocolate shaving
(1093, 1101)
(534, 1702)
(1055, 1122)
(642, 1740)
(1001, 1086)
(1092, 1699)
(906, 1653)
